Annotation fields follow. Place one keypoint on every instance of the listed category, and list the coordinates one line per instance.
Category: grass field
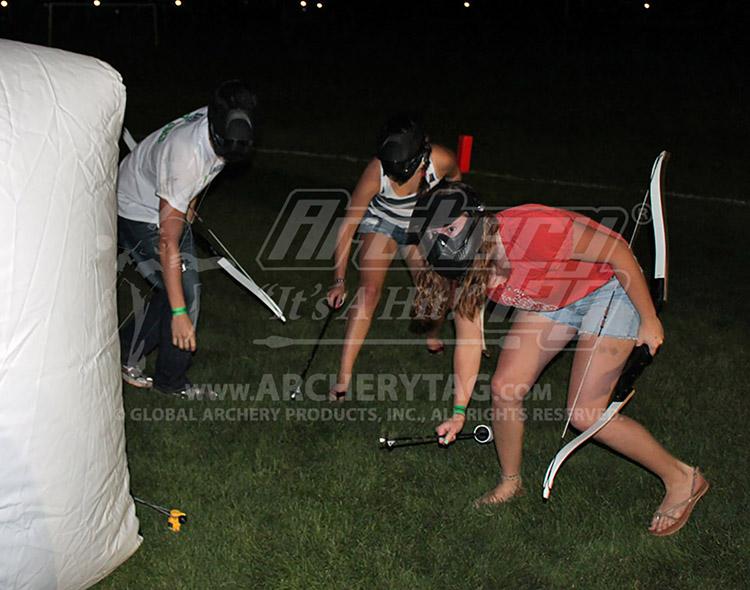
(288, 498)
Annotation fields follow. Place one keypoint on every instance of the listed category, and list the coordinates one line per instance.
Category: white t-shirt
(174, 163)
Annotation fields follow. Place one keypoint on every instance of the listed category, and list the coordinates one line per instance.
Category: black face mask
(232, 120)
(452, 257)
(439, 207)
(402, 147)
(232, 135)
(401, 172)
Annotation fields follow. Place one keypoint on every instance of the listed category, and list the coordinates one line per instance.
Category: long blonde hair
(436, 293)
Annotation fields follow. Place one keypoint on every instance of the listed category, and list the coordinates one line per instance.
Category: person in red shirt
(569, 277)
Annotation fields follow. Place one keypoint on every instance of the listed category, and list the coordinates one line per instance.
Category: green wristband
(459, 410)
(179, 310)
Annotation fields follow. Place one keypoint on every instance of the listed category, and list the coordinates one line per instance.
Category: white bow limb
(640, 357)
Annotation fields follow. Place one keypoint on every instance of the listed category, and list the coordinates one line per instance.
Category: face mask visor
(452, 257)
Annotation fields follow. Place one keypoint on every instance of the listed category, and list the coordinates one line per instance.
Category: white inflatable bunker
(66, 516)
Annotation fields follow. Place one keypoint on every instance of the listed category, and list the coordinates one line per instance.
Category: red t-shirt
(538, 241)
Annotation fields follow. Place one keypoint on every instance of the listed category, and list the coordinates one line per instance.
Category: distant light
(467, 4)
(647, 6)
(96, 3)
(178, 2)
(4, 3)
(319, 5)
(303, 3)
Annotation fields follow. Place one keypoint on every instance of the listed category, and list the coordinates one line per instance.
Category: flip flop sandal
(689, 504)
(489, 501)
(436, 351)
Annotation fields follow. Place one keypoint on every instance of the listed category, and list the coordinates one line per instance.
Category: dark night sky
(726, 20)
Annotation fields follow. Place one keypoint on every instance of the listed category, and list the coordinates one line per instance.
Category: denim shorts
(372, 224)
(585, 315)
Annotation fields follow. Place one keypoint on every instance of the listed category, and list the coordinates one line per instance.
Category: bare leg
(623, 434)
(531, 343)
(415, 263)
(375, 257)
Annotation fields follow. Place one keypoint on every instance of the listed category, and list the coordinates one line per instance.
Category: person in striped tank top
(407, 165)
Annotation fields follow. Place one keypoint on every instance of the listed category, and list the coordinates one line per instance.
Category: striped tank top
(389, 206)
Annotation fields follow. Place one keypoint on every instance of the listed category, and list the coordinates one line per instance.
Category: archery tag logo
(306, 230)
(312, 221)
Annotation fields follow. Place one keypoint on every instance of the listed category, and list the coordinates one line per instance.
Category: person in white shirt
(158, 184)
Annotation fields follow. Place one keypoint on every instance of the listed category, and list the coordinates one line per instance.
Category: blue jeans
(151, 326)
(586, 314)
(372, 224)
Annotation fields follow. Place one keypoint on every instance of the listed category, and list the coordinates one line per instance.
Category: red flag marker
(463, 153)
